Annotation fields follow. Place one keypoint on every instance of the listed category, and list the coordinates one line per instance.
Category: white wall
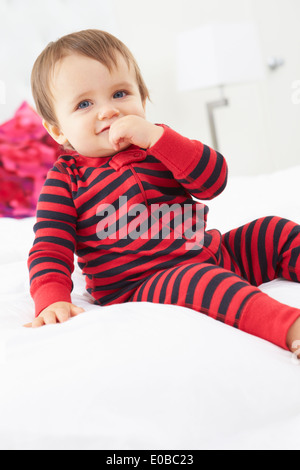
(258, 131)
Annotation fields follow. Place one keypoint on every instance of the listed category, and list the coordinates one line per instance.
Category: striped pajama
(225, 286)
(219, 275)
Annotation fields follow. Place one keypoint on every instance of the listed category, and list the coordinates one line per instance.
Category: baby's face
(88, 99)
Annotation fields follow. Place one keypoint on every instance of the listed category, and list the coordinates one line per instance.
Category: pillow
(27, 152)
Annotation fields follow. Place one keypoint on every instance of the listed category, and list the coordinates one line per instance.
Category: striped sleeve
(51, 258)
(201, 170)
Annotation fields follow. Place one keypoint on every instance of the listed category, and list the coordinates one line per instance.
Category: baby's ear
(55, 133)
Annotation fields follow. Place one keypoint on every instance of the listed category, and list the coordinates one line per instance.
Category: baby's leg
(223, 295)
(263, 250)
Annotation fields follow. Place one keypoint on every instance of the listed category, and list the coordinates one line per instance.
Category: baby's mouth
(105, 129)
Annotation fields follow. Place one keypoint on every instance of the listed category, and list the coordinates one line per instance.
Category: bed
(144, 376)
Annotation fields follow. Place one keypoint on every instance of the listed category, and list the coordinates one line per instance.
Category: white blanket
(145, 376)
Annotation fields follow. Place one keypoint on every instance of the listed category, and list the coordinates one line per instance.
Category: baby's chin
(104, 153)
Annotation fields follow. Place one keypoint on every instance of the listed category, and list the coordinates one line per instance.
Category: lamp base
(211, 106)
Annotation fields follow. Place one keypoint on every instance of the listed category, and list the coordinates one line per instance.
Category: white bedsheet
(143, 376)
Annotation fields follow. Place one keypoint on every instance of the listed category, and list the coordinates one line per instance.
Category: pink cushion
(27, 152)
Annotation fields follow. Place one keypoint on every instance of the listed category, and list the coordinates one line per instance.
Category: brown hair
(98, 45)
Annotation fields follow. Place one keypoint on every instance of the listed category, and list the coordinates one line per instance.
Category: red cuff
(48, 294)
(178, 153)
(268, 319)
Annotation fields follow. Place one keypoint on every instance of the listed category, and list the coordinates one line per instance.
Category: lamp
(218, 55)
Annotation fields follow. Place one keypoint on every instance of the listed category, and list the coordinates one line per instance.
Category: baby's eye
(83, 105)
(120, 94)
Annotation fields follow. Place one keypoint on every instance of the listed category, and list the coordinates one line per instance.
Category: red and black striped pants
(226, 287)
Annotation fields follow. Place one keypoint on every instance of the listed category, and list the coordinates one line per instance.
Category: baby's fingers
(37, 322)
(76, 310)
(64, 313)
(57, 313)
(45, 319)
(116, 143)
(50, 317)
(118, 136)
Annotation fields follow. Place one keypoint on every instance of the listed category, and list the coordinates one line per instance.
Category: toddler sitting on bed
(90, 93)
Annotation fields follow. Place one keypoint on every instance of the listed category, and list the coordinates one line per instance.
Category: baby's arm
(51, 258)
(201, 170)
(58, 312)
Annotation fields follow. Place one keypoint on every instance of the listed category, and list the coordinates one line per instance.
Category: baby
(89, 91)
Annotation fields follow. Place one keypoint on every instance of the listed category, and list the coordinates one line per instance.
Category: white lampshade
(218, 54)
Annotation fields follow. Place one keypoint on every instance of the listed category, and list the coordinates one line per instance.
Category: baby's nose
(108, 113)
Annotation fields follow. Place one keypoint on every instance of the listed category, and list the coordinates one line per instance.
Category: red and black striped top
(99, 209)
